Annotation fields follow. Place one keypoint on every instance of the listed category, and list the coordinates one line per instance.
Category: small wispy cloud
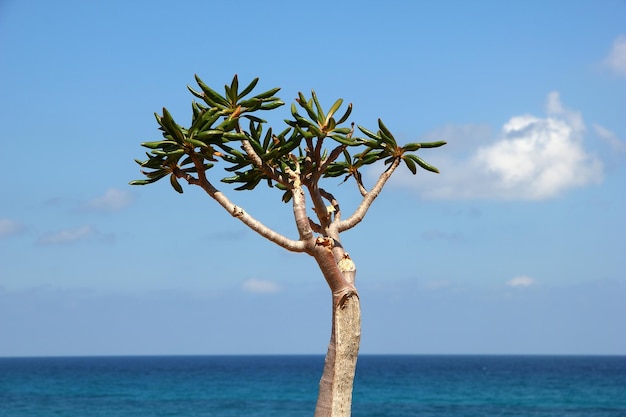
(534, 158)
(610, 138)
(616, 60)
(66, 236)
(112, 200)
(260, 286)
(521, 281)
(10, 227)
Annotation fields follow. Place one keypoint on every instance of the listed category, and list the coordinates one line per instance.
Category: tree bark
(335, 393)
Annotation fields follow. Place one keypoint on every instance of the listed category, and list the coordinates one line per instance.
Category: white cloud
(533, 158)
(616, 60)
(260, 286)
(9, 227)
(66, 236)
(521, 281)
(610, 138)
(112, 200)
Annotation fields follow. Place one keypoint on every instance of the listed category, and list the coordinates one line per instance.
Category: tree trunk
(335, 394)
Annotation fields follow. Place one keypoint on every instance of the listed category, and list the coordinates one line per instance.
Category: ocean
(286, 386)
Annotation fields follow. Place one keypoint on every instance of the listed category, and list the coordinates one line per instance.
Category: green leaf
(228, 95)
(168, 123)
(267, 140)
(268, 93)
(196, 143)
(306, 105)
(333, 110)
(347, 156)
(423, 163)
(342, 130)
(152, 163)
(236, 153)
(212, 136)
(433, 144)
(344, 140)
(158, 174)
(175, 184)
(410, 164)
(257, 147)
(206, 120)
(320, 112)
(234, 87)
(235, 136)
(195, 93)
(228, 124)
(369, 158)
(330, 125)
(310, 126)
(211, 97)
(145, 182)
(287, 196)
(383, 128)
(175, 152)
(371, 144)
(196, 111)
(252, 104)
(254, 118)
(346, 115)
(271, 106)
(250, 185)
(158, 144)
(336, 169)
(193, 168)
(237, 167)
(249, 88)
(369, 133)
(411, 147)
(386, 135)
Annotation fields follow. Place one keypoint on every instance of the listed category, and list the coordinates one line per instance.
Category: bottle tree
(314, 146)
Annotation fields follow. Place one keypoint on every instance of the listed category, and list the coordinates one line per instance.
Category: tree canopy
(314, 143)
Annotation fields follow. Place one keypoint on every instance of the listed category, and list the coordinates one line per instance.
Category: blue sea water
(286, 386)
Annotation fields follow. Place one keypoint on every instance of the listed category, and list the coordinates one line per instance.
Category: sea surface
(286, 386)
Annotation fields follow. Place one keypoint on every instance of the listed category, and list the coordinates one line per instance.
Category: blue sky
(516, 247)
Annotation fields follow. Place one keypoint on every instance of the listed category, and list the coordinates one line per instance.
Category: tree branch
(299, 209)
(334, 204)
(236, 211)
(321, 211)
(258, 162)
(359, 183)
(318, 204)
(368, 199)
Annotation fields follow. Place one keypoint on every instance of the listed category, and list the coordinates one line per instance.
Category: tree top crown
(228, 129)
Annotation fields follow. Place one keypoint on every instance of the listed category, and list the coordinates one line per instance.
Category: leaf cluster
(215, 125)
(226, 128)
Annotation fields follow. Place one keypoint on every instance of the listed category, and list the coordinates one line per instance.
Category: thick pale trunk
(335, 395)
